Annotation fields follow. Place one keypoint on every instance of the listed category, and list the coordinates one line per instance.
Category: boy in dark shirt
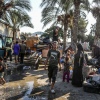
(54, 59)
(2, 65)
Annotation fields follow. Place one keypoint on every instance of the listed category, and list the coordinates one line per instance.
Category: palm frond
(95, 11)
(44, 2)
(48, 3)
(22, 4)
(96, 1)
(48, 19)
(53, 9)
(18, 19)
(85, 5)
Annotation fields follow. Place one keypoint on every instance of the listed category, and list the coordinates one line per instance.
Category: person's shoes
(53, 91)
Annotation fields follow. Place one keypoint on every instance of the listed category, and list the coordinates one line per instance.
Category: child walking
(66, 71)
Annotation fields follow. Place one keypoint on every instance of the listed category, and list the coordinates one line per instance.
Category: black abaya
(77, 78)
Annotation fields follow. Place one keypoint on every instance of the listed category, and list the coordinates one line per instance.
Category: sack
(85, 69)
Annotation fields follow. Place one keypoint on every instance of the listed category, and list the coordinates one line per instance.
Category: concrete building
(5, 29)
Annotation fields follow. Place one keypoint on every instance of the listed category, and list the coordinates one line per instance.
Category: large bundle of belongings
(31, 41)
(91, 75)
(92, 80)
(86, 46)
(92, 84)
(34, 43)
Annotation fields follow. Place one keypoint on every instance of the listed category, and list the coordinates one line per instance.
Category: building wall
(5, 30)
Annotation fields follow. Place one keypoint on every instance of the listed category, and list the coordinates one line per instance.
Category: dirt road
(32, 85)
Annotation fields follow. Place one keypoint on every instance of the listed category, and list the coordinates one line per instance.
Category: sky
(35, 14)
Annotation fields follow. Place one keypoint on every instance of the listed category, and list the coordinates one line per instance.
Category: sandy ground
(17, 89)
(64, 90)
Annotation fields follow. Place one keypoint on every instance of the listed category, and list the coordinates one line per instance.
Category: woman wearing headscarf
(77, 78)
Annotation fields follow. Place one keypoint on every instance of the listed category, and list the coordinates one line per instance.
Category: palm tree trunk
(71, 34)
(1, 8)
(65, 36)
(75, 21)
(98, 27)
(97, 32)
(14, 34)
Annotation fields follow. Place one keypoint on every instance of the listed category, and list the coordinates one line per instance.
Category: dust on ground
(33, 85)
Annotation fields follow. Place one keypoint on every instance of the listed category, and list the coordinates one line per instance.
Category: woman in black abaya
(77, 78)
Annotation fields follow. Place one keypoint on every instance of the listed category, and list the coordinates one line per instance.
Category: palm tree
(6, 5)
(67, 21)
(14, 12)
(58, 12)
(96, 13)
(78, 4)
(54, 8)
(17, 20)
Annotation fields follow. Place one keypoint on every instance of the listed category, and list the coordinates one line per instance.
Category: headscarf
(79, 47)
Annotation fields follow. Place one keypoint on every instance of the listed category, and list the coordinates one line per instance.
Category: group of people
(73, 60)
(18, 50)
